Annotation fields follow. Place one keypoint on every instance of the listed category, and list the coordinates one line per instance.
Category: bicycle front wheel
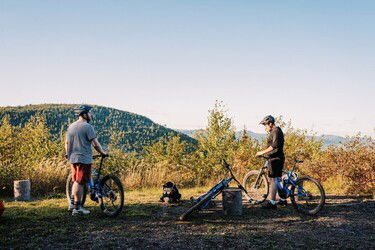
(257, 188)
(308, 196)
(111, 196)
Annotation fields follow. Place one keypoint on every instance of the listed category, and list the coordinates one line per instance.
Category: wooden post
(22, 190)
(232, 201)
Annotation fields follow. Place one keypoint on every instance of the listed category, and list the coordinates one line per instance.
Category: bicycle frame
(94, 184)
(261, 172)
(290, 181)
(218, 188)
(214, 192)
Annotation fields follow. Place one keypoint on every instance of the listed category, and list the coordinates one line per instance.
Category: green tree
(299, 144)
(8, 167)
(35, 143)
(215, 143)
(245, 154)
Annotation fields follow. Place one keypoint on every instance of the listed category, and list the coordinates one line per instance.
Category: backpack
(170, 193)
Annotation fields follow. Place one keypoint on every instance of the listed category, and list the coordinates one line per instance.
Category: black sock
(77, 205)
(72, 200)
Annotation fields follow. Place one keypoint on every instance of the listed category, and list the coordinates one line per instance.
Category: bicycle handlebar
(267, 158)
(100, 156)
(226, 165)
(262, 156)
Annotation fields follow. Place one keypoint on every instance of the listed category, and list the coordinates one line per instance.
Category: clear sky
(311, 61)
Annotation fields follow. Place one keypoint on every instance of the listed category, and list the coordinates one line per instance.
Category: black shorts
(275, 167)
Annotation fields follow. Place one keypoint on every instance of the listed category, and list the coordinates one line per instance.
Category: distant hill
(134, 131)
(327, 139)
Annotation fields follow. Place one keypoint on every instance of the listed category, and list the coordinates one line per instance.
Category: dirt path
(345, 222)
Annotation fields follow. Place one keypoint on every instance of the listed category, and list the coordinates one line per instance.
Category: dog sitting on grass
(170, 193)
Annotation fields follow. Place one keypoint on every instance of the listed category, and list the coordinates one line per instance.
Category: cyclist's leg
(274, 170)
(273, 188)
(77, 191)
(80, 177)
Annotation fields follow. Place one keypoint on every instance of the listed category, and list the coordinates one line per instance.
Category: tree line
(32, 151)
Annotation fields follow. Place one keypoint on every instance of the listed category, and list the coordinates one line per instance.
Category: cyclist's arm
(266, 151)
(66, 145)
(97, 146)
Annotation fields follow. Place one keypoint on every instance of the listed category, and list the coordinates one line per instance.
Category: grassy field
(345, 222)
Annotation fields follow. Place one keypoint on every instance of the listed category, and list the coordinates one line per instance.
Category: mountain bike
(107, 191)
(306, 194)
(205, 200)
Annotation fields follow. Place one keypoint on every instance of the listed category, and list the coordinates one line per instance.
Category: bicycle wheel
(68, 190)
(111, 196)
(307, 196)
(195, 207)
(257, 191)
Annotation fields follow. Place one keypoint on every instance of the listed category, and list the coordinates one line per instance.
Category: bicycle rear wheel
(111, 196)
(68, 190)
(308, 196)
(257, 190)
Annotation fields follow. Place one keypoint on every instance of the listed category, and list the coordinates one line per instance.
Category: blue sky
(311, 61)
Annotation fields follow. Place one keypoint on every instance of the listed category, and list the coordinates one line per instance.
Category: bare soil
(344, 223)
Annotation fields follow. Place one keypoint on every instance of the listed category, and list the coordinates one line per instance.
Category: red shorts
(81, 173)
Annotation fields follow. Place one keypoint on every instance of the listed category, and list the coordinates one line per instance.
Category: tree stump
(232, 201)
(22, 190)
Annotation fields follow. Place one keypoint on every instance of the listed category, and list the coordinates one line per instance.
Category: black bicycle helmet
(268, 119)
(82, 109)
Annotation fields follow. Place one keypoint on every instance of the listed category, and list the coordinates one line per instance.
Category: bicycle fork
(257, 183)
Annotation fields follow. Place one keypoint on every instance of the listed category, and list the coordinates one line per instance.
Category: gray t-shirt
(79, 136)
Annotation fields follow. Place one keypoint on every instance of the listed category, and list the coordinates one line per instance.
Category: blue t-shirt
(79, 136)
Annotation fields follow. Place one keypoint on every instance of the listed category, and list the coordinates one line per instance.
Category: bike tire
(296, 202)
(112, 196)
(68, 190)
(256, 194)
(188, 212)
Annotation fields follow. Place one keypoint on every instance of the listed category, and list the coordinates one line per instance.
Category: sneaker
(269, 205)
(71, 207)
(80, 210)
(282, 203)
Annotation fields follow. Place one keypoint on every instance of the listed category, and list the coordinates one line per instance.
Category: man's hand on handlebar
(100, 156)
(259, 154)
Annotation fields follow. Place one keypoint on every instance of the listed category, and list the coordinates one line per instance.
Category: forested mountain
(327, 139)
(129, 131)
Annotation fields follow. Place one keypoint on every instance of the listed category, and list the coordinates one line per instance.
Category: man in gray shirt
(80, 138)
